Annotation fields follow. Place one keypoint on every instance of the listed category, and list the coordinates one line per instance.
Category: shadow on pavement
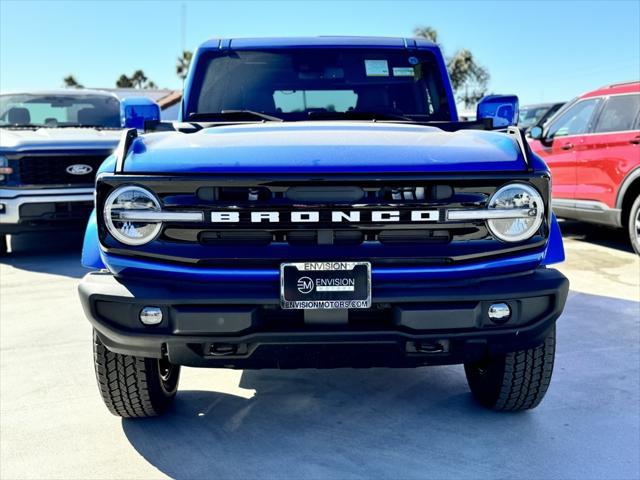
(598, 235)
(57, 253)
(306, 423)
(415, 423)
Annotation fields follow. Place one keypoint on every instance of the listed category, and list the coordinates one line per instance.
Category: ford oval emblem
(79, 169)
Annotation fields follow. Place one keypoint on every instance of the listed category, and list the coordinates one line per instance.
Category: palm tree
(124, 82)
(182, 64)
(137, 80)
(468, 78)
(429, 33)
(71, 82)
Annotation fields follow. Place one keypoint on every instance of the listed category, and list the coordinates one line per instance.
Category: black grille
(52, 169)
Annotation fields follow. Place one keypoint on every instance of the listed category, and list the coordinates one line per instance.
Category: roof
(322, 41)
(614, 89)
(541, 105)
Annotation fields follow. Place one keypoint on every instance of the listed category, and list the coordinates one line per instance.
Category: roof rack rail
(620, 84)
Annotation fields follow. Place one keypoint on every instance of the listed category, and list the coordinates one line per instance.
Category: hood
(327, 147)
(15, 140)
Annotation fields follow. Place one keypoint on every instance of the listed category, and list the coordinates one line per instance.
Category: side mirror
(536, 132)
(134, 111)
(502, 109)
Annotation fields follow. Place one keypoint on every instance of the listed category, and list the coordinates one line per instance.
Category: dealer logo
(79, 169)
(305, 285)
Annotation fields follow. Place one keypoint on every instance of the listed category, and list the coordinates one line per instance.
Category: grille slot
(52, 169)
(325, 237)
(240, 237)
(399, 237)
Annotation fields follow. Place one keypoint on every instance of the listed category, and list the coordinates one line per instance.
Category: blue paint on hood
(323, 147)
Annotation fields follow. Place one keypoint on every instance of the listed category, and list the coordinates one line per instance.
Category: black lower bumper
(48, 216)
(439, 325)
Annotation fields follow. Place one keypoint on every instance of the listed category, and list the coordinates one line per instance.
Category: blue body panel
(323, 148)
(91, 255)
(554, 253)
(124, 267)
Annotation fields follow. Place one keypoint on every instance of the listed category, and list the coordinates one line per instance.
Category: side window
(618, 114)
(575, 120)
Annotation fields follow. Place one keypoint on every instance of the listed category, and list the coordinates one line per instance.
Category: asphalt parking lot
(332, 424)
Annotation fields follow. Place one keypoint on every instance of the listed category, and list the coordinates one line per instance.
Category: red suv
(592, 146)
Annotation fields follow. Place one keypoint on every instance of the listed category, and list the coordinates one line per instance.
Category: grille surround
(180, 242)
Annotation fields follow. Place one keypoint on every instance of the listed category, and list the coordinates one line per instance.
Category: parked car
(592, 146)
(532, 115)
(312, 210)
(51, 145)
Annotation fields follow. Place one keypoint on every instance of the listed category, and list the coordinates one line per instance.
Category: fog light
(151, 315)
(499, 312)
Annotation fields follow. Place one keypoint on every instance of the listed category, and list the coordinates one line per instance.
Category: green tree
(137, 80)
(124, 82)
(182, 64)
(426, 32)
(469, 79)
(70, 81)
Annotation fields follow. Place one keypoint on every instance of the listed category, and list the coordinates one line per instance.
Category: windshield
(308, 84)
(59, 110)
(530, 116)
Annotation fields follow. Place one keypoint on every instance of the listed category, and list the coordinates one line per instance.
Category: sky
(539, 50)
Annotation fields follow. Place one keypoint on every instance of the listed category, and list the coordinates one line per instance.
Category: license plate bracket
(325, 285)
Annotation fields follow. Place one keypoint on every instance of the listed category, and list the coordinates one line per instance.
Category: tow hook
(433, 347)
(222, 349)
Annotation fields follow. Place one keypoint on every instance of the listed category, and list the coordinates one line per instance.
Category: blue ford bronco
(320, 205)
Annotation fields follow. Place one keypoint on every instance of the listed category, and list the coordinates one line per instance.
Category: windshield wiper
(234, 115)
(360, 115)
(96, 127)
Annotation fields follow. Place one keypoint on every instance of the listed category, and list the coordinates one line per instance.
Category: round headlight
(136, 200)
(516, 196)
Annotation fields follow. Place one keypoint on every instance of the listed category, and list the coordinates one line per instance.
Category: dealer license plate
(325, 285)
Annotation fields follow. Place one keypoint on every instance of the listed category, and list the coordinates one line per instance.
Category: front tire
(134, 386)
(634, 225)
(515, 381)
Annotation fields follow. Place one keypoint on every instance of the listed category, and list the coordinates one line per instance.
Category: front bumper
(32, 209)
(241, 327)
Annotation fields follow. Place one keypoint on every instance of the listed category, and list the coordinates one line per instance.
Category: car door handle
(635, 141)
(568, 146)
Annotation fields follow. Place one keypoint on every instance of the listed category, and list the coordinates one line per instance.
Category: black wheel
(134, 386)
(634, 225)
(515, 381)
(4, 245)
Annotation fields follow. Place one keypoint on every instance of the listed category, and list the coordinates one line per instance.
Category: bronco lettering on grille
(325, 216)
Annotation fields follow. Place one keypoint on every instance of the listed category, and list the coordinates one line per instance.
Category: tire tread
(527, 376)
(123, 381)
(517, 380)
